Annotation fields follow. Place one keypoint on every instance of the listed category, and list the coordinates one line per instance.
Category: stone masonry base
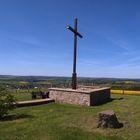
(85, 96)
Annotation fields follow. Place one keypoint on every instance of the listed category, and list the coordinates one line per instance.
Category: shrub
(7, 102)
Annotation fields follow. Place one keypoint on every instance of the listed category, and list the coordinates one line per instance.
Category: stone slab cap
(80, 90)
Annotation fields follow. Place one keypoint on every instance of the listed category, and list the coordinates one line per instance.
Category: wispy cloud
(120, 43)
(135, 59)
(89, 62)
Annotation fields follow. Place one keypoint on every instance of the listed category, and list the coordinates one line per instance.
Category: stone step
(34, 102)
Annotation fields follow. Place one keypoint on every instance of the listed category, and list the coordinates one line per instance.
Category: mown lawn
(69, 122)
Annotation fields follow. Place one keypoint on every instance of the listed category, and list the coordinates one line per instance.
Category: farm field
(132, 92)
(69, 122)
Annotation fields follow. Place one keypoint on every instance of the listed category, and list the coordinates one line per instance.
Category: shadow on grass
(99, 103)
(121, 98)
(13, 117)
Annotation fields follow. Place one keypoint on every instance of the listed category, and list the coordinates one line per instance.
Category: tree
(7, 102)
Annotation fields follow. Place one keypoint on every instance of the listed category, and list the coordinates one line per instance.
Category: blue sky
(34, 39)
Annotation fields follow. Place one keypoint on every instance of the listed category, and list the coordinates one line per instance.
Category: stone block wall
(100, 96)
(69, 96)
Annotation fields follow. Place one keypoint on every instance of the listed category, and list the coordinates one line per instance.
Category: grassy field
(69, 122)
(23, 95)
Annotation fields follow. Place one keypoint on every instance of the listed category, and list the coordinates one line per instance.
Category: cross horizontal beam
(75, 32)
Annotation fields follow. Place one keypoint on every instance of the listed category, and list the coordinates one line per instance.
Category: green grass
(22, 96)
(69, 122)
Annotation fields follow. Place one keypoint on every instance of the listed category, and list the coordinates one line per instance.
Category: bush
(7, 102)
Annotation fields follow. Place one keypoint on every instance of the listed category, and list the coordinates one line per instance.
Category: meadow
(69, 122)
(23, 95)
(62, 121)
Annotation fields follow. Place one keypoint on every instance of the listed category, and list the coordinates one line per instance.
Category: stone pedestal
(85, 96)
(108, 119)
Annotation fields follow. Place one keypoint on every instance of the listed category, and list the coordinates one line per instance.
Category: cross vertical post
(74, 75)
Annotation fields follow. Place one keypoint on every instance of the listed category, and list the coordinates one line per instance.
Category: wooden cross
(74, 75)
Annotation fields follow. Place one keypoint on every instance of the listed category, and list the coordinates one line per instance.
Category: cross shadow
(121, 98)
(13, 117)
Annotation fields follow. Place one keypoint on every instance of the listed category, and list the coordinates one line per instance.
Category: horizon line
(65, 76)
